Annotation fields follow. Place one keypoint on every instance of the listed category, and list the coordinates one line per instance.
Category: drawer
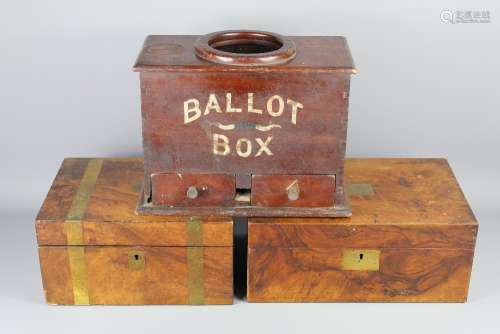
(293, 190)
(193, 189)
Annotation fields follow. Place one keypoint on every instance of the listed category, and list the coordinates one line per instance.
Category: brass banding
(73, 228)
(195, 279)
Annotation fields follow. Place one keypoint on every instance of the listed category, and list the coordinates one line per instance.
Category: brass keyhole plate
(136, 260)
(361, 259)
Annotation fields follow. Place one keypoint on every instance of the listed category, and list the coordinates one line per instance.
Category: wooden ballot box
(244, 123)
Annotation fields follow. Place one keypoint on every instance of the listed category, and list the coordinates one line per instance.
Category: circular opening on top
(247, 44)
(245, 48)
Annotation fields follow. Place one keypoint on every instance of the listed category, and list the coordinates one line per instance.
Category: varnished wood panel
(314, 145)
(56, 275)
(315, 274)
(319, 234)
(164, 279)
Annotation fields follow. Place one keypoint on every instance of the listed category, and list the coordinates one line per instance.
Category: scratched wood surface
(415, 215)
(94, 249)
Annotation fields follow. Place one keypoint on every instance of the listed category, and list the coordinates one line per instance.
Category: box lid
(396, 203)
(299, 53)
(93, 201)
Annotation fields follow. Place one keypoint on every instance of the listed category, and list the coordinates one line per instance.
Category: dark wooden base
(145, 207)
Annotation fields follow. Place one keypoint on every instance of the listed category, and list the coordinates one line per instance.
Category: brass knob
(293, 191)
(192, 192)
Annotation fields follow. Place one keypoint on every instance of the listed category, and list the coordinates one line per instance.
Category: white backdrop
(424, 88)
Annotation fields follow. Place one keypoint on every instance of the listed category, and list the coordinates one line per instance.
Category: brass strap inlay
(74, 232)
(73, 229)
(196, 294)
(194, 232)
(85, 189)
(360, 189)
(78, 275)
(72, 225)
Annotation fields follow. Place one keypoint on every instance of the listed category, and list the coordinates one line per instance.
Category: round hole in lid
(248, 45)
(245, 48)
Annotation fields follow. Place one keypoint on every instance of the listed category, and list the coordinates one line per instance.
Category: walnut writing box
(95, 250)
(411, 238)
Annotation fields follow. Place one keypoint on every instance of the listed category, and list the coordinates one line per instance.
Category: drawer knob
(192, 192)
(293, 191)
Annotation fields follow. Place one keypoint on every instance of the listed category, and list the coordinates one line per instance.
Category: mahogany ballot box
(95, 250)
(244, 123)
(411, 238)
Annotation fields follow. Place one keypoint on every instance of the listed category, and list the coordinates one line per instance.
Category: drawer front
(293, 190)
(193, 189)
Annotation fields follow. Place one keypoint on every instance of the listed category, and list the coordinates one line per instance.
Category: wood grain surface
(164, 279)
(416, 216)
(315, 275)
